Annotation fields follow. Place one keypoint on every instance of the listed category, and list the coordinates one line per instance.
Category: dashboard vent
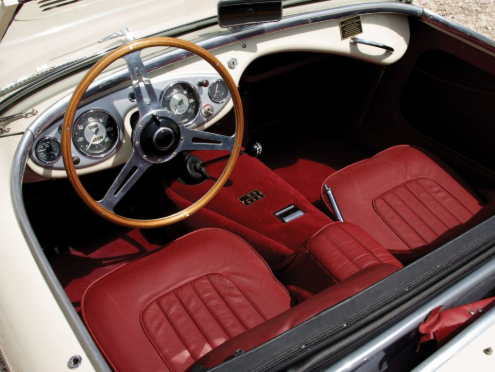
(46, 5)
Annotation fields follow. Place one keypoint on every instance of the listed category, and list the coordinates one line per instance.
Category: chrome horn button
(156, 137)
(164, 138)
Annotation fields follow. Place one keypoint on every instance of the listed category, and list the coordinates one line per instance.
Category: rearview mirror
(244, 12)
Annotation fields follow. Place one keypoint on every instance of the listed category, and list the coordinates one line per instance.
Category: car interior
(349, 172)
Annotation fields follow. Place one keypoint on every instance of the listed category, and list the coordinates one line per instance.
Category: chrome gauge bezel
(110, 150)
(36, 150)
(194, 89)
(210, 96)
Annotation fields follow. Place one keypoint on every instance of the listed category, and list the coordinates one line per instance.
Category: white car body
(37, 333)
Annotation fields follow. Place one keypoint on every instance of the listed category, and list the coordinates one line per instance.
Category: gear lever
(193, 172)
(252, 149)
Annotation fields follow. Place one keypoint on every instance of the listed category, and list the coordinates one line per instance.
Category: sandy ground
(478, 15)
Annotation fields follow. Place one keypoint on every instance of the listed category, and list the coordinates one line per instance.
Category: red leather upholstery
(406, 198)
(334, 254)
(167, 309)
(209, 294)
(298, 314)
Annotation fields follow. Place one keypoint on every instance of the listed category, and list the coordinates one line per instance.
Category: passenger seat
(404, 197)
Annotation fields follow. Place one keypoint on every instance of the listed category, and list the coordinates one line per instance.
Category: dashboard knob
(207, 110)
(203, 83)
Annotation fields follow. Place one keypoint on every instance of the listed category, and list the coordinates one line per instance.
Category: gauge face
(95, 133)
(48, 150)
(218, 91)
(182, 100)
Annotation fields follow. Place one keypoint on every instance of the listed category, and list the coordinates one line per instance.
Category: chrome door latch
(21, 115)
(357, 40)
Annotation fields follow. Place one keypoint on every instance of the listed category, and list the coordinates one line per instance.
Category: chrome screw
(488, 351)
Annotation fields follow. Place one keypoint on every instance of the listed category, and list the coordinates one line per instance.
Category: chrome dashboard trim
(437, 20)
(226, 37)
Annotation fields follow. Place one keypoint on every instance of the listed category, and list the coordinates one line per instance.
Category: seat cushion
(332, 255)
(168, 309)
(404, 197)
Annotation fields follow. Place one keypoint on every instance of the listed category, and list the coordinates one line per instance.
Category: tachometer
(48, 150)
(182, 100)
(95, 133)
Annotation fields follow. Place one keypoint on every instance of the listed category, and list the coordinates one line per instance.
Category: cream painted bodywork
(34, 334)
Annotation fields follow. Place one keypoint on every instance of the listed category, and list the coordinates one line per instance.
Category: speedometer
(95, 133)
(182, 100)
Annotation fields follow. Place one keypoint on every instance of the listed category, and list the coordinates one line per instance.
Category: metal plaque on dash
(251, 198)
(350, 27)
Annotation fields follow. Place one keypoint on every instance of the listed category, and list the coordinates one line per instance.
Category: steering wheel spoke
(128, 176)
(147, 100)
(201, 140)
(157, 138)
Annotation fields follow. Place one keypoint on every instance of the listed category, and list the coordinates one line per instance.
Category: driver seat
(170, 308)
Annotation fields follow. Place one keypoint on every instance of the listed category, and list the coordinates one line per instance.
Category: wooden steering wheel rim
(76, 99)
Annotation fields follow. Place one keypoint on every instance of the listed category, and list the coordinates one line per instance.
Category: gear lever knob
(254, 149)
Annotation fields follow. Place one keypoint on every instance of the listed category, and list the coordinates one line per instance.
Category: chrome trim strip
(75, 322)
(230, 36)
(459, 30)
(458, 343)
(354, 360)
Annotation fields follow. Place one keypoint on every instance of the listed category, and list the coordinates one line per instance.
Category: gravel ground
(478, 15)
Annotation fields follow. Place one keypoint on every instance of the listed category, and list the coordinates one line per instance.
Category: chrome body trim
(357, 358)
(227, 37)
(75, 322)
(455, 345)
(459, 30)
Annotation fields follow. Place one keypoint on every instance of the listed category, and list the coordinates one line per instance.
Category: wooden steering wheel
(158, 136)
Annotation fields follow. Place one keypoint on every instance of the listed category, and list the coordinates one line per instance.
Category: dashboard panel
(104, 125)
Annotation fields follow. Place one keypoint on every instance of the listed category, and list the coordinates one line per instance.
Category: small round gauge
(48, 150)
(182, 100)
(95, 133)
(218, 91)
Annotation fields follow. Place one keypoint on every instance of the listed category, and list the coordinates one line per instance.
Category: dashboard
(104, 125)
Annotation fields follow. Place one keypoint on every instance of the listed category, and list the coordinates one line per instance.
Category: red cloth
(442, 326)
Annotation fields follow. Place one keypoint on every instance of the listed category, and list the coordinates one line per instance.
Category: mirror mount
(233, 13)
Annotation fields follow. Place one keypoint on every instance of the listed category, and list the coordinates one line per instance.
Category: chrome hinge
(21, 115)
(128, 35)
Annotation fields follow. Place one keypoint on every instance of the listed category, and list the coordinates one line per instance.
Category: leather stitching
(361, 244)
(452, 196)
(413, 211)
(173, 328)
(193, 320)
(211, 312)
(426, 206)
(226, 304)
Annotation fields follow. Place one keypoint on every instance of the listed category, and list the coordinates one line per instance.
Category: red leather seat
(406, 198)
(203, 296)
